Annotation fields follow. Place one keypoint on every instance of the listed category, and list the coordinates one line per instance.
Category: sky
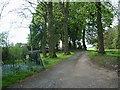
(18, 26)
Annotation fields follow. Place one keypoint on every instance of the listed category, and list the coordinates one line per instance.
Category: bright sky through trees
(18, 26)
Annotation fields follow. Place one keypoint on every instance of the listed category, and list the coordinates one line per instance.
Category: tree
(43, 7)
(38, 28)
(4, 36)
(4, 39)
(84, 45)
(100, 29)
(110, 38)
(65, 27)
(74, 25)
(3, 5)
(106, 19)
(51, 31)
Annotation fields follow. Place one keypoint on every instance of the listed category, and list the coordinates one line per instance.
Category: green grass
(48, 62)
(52, 61)
(112, 50)
(11, 79)
(94, 49)
(112, 53)
(108, 60)
(108, 53)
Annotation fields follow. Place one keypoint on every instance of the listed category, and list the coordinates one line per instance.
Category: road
(75, 72)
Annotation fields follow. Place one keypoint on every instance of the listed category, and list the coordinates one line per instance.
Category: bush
(17, 52)
(5, 53)
(9, 54)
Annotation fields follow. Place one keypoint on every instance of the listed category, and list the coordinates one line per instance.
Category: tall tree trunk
(44, 42)
(100, 29)
(44, 36)
(65, 25)
(84, 45)
(44, 46)
(31, 47)
(51, 36)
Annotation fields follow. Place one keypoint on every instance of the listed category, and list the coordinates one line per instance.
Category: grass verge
(48, 62)
(110, 60)
(11, 79)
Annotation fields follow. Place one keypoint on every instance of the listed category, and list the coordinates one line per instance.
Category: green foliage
(107, 14)
(5, 53)
(17, 61)
(16, 52)
(107, 19)
(108, 53)
(81, 15)
(4, 38)
(10, 54)
(110, 38)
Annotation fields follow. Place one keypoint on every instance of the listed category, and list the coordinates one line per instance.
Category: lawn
(48, 62)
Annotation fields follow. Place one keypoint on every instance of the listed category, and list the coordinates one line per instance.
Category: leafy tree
(110, 38)
(51, 31)
(100, 29)
(4, 38)
(106, 19)
(65, 27)
(75, 30)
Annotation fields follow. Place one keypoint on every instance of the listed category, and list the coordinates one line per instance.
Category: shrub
(17, 52)
(5, 53)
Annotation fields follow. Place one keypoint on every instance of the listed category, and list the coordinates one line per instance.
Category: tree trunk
(84, 45)
(44, 45)
(74, 44)
(57, 46)
(44, 37)
(100, 29)
(51, 36)
(65, 25)
(31, 47)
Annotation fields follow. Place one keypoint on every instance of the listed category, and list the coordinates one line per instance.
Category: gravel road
(75, 72)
